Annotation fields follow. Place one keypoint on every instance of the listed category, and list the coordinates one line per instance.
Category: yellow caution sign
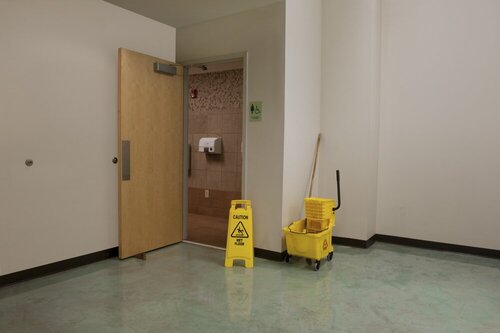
(240, 233)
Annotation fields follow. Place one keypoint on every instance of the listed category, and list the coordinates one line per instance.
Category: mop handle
(338, 191)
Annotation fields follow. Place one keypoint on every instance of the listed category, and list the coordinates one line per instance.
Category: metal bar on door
(125, 160)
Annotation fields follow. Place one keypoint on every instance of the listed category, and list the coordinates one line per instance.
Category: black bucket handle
(337, 173)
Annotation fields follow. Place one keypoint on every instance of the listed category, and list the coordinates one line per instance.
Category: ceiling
(181, 13)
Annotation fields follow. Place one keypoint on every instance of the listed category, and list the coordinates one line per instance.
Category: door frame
(185, 180)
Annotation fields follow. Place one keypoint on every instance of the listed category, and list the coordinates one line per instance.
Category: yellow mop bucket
(304, 241)
(310, 245)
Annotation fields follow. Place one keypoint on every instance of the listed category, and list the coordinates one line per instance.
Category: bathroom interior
(215, 175)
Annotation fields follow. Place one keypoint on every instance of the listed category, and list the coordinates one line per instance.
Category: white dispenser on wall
(210, 145)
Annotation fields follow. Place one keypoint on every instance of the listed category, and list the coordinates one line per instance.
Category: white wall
(350, 111)
(302, 102)
(58, 104)
(260, 33)
(440, 116)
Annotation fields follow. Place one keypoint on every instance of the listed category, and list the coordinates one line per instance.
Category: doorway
(215, 98)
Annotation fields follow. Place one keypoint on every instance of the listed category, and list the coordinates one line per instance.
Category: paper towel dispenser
(210, 145)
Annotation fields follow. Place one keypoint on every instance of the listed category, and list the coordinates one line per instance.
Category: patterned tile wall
(217, 111)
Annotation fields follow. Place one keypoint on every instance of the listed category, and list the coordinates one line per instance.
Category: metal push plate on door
(126, 160)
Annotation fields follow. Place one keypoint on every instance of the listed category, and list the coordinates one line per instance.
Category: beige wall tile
(214, 123)
(198, 123)
(216, 134)
(239, 180)
(230, 162)
(198, 179)
(218, 111)
(230, 143)
(231, 123)
(220, 201)
(194, 199)
(239, 161)
(214, 162)
(214, 179)
(237, 110)
(199, 161)
(231, 181)
(218, 204)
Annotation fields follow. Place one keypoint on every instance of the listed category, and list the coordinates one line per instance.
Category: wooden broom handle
(314, 165)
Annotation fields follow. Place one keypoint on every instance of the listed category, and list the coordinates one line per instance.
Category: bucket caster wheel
(317, 265)
(309, 261)
(288, 258)
(330, 256)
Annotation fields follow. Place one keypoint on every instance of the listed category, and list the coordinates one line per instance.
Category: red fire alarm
(194, 93)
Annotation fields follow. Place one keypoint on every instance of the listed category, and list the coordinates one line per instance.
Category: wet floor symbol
(239, 231)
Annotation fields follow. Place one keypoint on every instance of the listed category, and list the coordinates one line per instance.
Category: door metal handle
(190, 158)
(125, 160)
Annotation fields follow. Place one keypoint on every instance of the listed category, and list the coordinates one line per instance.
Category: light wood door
(150, 121)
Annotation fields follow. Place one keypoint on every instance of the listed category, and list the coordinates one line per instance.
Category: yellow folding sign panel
(240, 233)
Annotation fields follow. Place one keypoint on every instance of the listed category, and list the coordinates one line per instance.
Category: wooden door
(150, 154)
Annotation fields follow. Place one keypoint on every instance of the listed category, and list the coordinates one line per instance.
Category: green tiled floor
(185, 288)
